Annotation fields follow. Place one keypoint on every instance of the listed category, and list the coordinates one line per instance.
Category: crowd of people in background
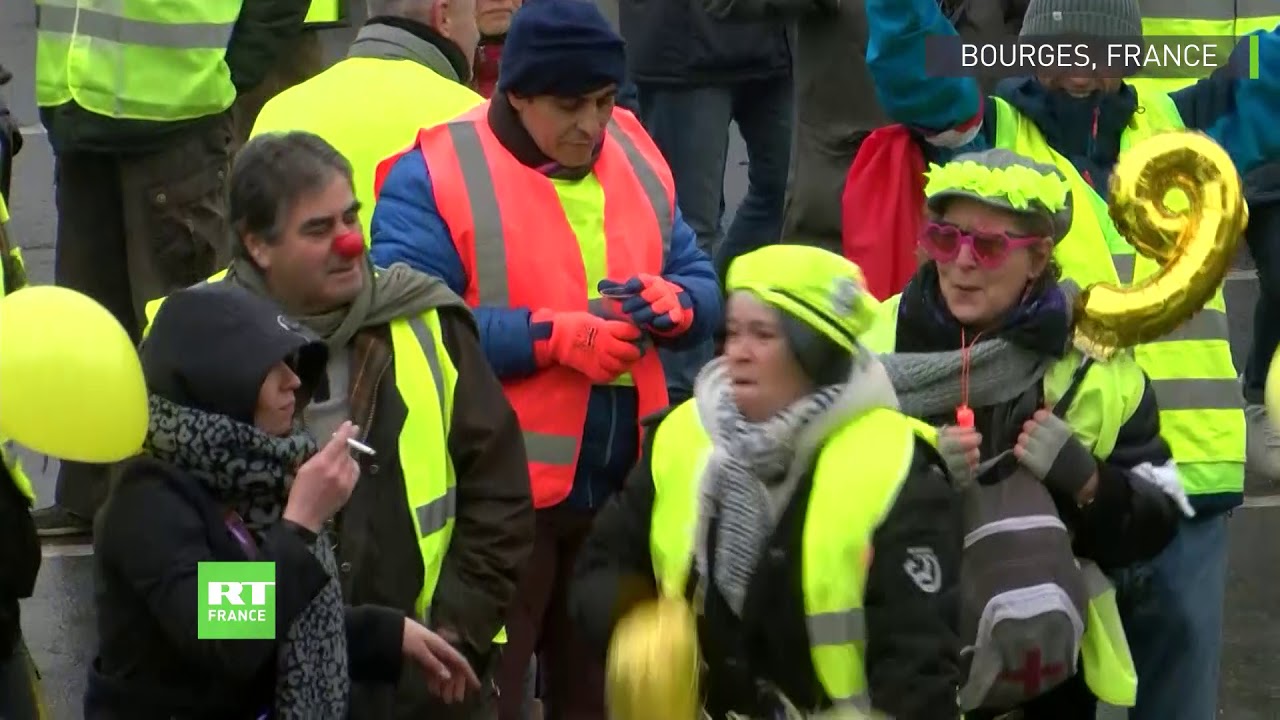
(490, 243)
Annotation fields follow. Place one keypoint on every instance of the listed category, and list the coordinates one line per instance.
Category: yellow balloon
(71, 385)
(652, 669)
(1272, 397)
(1194, 248)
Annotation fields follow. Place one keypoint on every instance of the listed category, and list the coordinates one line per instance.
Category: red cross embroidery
(1034, 673)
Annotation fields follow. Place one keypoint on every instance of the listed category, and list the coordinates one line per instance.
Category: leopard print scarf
(249, 472)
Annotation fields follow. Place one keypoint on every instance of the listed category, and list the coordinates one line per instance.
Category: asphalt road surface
(59, 620)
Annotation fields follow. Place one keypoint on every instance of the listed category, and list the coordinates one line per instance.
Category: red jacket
(484, 72)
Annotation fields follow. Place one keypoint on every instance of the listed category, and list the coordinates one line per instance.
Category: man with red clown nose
(440, 520)
(553, 214)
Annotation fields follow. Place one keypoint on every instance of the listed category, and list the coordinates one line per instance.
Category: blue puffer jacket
(407, 227)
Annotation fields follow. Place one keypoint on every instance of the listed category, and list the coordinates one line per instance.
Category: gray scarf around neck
(387, 42)
(754, 467)
(929, 384)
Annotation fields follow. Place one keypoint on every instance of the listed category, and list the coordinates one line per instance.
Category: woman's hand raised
(958, 447)
(323, 483)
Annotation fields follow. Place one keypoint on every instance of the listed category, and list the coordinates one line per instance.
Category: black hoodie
(210, 348)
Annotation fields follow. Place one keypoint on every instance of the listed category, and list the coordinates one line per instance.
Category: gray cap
(1060, 221)
(1087, 18)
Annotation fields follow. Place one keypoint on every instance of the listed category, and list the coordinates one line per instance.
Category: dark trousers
(1263, 237)
(690, 125)
(301, 61)
(133, 228)
(572, 674)
(20, 695)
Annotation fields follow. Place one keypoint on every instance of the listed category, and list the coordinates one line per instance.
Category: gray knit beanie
(1084, 18)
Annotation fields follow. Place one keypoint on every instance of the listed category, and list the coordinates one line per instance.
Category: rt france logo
(237, 601)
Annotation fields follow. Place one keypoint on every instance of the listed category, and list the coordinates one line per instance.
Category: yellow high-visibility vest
(155, 60)
(325, 12)
(1216, 23)
(1191, 370)
(839, 523)
(389, 122)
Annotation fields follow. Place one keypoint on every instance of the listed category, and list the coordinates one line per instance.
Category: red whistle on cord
(349, 245)
(964, 416)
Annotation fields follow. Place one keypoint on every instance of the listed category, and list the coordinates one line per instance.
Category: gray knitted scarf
(754, 467)
(928, 384)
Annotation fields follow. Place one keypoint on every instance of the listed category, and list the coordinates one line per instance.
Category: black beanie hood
(211, 346)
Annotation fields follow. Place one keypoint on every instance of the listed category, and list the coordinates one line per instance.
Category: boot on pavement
(1262, 445)
(55, 521)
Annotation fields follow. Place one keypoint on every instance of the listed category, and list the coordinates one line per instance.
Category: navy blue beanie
(563, 48)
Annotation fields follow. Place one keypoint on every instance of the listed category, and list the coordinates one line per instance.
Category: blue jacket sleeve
(948, 110)
(407, 227)
(691, 269)
(1237, 112)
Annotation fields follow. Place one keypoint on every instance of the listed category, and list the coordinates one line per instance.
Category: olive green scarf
(395, 292)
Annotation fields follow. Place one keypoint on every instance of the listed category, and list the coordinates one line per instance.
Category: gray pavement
(59, 620)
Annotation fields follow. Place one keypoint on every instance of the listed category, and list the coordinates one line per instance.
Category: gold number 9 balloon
(652, 669)
(1193, 248)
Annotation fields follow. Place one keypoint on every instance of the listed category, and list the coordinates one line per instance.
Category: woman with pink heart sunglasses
(1056, 457)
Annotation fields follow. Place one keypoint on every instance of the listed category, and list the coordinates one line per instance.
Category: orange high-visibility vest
(518, 250)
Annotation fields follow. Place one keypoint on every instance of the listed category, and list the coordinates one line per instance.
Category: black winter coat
(19, 560)
(912, 647)
(156, 525)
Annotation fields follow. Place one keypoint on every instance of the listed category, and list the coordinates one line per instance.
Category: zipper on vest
(364, 437)
(1093, 143)
(373, 403)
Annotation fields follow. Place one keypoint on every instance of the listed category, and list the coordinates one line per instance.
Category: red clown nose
(349, 245)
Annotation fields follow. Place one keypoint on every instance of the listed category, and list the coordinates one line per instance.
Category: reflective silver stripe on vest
(663, 212)
(550, 449)
(490, 243)
(1188, 9)
(1095, 582)
(433, 516)
(858, 703)
(1190, 393)
(115, 28)
(1198, 394)
(837, 628)
(1111, 712)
